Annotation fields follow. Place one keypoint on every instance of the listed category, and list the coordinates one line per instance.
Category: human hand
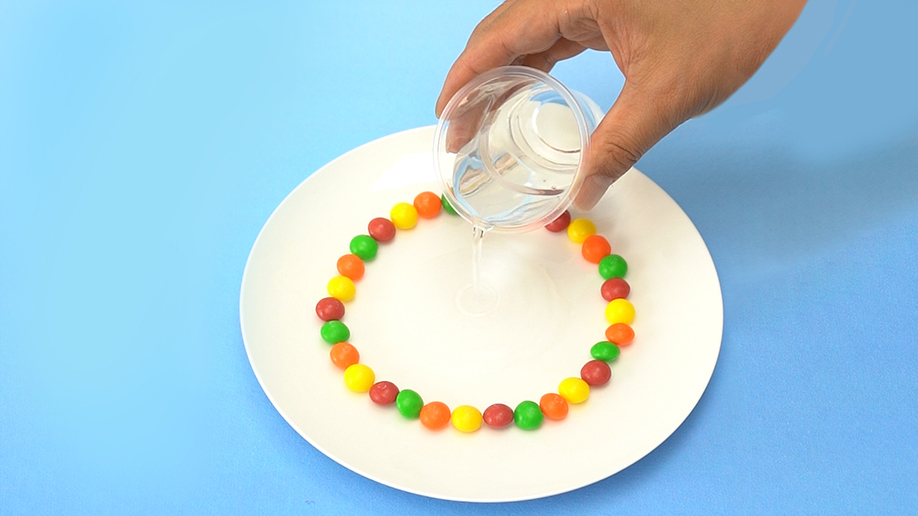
(680, 59)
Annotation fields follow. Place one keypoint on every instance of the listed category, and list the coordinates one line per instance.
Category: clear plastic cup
(511, 146)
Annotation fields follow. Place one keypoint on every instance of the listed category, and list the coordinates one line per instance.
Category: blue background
(143, 145)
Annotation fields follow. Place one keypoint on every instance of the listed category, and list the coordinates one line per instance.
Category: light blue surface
(143, 146)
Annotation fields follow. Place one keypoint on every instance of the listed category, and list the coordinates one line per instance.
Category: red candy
(559, 224)
(330, 309)
(615, 288)
(596, 372)
(381, 229)
(498, 415)
(383, 393)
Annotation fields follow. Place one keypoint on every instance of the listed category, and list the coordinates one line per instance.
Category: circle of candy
(435, 415)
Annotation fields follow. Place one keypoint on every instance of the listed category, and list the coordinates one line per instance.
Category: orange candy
(620, 333)
(435, 415)
(344, 355)
(595, 248)
(428, 204)
(351, 266)
(553, 406)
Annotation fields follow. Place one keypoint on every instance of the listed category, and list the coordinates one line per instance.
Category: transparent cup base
(510, 148)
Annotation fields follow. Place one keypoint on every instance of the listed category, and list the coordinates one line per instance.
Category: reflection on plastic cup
(510, 148)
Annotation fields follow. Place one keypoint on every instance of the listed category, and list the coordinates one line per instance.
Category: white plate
(407, 328)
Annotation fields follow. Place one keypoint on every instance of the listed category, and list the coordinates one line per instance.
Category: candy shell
(344, 355)
(574, 390)
(559, 224)
(330, 309)
(447, 207)
(342, 288)
(620, 333)
(427, 204)
(595, 248)
(381, 229)
(404, 215)
(612, 266)
(359, 378)
(383, 393)
(528, 415)
(435, 415)
(409, 404)
(364, 246)
(351, 266)
(553, 406)
(596, 373)
(619, 311)
(579, 229)
(614, 288)
(605, 351)
(498, 415)
(334, 332)
(466, 418)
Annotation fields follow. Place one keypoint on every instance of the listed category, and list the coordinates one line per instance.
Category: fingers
(636, 122)
(465, 122)
(514, 30)
(491, 17)
(561, 50)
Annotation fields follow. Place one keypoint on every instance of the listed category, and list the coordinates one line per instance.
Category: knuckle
(504, 45)
(617, 151)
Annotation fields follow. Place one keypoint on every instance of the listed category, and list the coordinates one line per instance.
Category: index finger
(524, 27)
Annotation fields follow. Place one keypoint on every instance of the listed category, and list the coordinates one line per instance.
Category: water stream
(475, 298)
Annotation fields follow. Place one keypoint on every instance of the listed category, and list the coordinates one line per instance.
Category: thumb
(632, 126)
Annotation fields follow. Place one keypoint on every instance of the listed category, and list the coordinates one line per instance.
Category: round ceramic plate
(406, 324)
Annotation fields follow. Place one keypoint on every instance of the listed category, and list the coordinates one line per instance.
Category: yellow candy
(341, 288)
(404, 215)
(359, 378)
(574, 390)
(466, 418)
(620, 311)
(581, 229)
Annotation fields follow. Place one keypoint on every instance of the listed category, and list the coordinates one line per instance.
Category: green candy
(409, 403)
(446, 205)
(528, 415)
(334, 332)
(605, 351)
(612, 266)
(364, 246)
